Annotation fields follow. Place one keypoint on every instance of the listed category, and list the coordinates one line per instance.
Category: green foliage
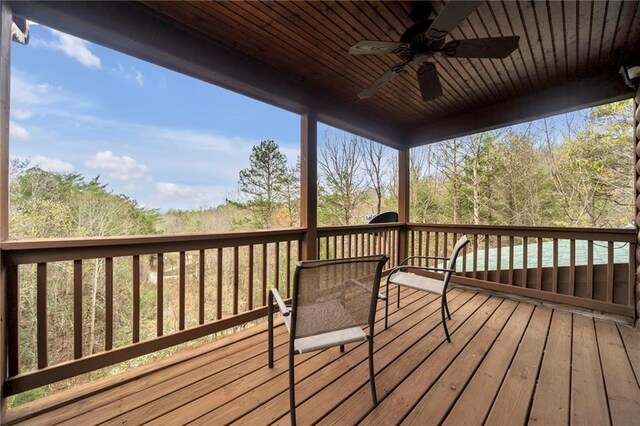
(265, 184)
(46, 204)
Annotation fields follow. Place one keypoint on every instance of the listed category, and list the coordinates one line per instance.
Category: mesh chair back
(463, 241)
(331, 295)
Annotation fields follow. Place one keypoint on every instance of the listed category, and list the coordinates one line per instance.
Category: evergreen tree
(264, 183)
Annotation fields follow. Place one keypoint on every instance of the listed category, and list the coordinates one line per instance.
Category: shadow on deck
(509, 362)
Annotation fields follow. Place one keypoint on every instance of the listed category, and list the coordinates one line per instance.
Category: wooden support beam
(404, 162)
(135, 30)
(309, 183)
(5, 73)
(561, 98)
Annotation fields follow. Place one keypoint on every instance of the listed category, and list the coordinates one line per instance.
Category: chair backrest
(463, 241)
(331, 295)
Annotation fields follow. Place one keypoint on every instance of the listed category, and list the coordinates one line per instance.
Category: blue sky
(165, 139)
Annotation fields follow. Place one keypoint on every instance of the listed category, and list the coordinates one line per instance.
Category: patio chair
(332, 300)
(401, 276)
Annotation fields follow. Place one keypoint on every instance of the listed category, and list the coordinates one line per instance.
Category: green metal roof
(600, 255)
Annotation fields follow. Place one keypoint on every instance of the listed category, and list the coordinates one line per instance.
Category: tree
(340, 162)
(449, 160)
(264, 182)
(593, 168)
(374, 160)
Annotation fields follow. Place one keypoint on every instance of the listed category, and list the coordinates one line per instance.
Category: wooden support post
(309, 183)
(636, 267)
(5, 75)
(404, 158)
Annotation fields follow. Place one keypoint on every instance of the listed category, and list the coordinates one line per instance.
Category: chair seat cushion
(329, 339)
(418, 282)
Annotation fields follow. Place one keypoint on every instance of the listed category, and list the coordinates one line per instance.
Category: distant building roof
(600, 255)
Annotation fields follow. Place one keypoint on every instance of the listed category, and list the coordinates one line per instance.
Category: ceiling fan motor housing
(416, 36)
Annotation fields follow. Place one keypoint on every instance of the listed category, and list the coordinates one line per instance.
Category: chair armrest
(284, 309)
(423, 268)
(423, 257)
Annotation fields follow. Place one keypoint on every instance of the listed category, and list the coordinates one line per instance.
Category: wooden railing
(588, 268)
(339, 242)
(172, 289)
(116, 299)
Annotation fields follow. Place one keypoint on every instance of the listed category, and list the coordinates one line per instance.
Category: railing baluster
(445, 249)
(355, 242)
(108, 309)
(572, 267)
(219, 285)
(590, 269)
(427, 247)
(486, 257)
(610, 272)
(631, 275)
(413, 246)
(236, 278)
(276, 267)
(288, 263)
(159, 296)
(250, 283)
(326, 247)
(349, 245)
(264, 274)
(464, 260)
(525, 255)
(510, 260)
(539, 270)
(77, 309)
(335, 247)
(13, 350)
(420, 247)
(135, 338)
(201, 269)
(554, 278)
(475, 254)
(182, 290)
(42, 314)
(437, 249)
(499, 258)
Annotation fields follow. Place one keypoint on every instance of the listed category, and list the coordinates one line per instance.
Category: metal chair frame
(444, 308)
(290, 311)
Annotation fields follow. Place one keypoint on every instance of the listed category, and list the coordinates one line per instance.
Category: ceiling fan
(425, 39)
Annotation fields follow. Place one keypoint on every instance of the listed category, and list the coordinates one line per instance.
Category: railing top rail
(34, 251)
(350, 229)
(599, 234)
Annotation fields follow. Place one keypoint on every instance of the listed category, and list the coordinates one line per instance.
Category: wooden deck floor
(509, 363)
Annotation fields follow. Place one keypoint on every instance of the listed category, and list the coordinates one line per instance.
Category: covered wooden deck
(510, 362)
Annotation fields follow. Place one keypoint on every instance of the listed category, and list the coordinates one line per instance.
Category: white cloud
(21, 114)
(52, 164)
(170, 190)
(29, 93)
(18, 132)
(71, 46)
(139, 78)
(129, 74)
(190, 197)
(121, 168)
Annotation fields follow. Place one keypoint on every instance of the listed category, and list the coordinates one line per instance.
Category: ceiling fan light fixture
(631, 75)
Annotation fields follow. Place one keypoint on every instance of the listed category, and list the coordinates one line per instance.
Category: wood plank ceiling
(294, 54)
(308, 41)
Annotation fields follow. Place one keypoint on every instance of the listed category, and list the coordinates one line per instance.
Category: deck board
(508, 361)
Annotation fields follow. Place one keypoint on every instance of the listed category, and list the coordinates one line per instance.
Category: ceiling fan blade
(368, 47)
(497, 47)
(379, 83)
(451, 16)
(429, 81)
